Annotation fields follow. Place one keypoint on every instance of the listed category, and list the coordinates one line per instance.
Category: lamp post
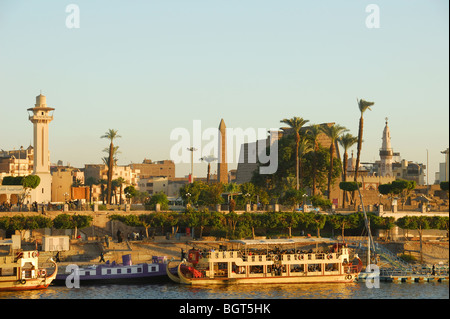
(192, 149)
(208, 159)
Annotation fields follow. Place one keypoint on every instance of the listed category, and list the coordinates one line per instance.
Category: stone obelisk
(222, 166)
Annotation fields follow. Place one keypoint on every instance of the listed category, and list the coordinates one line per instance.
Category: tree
(346, 141)
(313, 133)
(159, 198)
(211, 194)
(190, 192)
(130, 192)
(363, 106)
(120, 181)
(292, 197)
(111, 135)
(419, 223)
(90, 181)
(296, 123)
(333, 132)
(29, 182)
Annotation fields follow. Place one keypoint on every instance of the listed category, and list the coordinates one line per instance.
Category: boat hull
(103, 274)
(309, 279)
(29, 283)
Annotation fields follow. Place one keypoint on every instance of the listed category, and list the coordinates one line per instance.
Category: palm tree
(304, 148)
(296, 123)
(120, 182)
(346, 141)
(90, 181)
(313, 133)
(111, 135)
(333, 132)
(363, 106)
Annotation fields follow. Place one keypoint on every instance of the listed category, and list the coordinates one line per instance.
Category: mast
(367, 223)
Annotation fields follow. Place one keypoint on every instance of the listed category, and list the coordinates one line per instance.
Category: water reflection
(176, 291)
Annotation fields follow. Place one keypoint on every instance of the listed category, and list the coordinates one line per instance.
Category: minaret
(222, 166)
(41, 116)
(386, 153)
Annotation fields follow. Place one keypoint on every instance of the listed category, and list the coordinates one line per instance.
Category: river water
(169, 290)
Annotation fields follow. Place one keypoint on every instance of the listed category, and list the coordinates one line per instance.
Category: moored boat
(113, 272)
(269, 264)
(21, 271)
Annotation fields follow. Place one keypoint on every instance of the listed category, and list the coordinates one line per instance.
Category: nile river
(304, 291)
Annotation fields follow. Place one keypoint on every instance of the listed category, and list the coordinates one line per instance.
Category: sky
(145, 68)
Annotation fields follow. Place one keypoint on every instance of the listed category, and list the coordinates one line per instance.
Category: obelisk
(222, 166)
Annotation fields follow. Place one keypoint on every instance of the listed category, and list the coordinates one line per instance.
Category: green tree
(292, 197)
(346, 141)
(419, 223)
(333, 132)
(296, 123)
(190, 192)
(111, 135)
(159, 198)
(313, 133)
(130, 192)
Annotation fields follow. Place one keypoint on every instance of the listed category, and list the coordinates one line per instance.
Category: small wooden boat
(270, 265)
(21, 272)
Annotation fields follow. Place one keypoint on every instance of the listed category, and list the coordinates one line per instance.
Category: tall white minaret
(41, 115)
(386, 152)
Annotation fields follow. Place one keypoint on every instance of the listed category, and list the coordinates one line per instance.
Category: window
(139, 269)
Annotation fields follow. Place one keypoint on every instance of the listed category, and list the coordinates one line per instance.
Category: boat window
(119, 271)
(153, 268)
(108, 271)
(129, 270)
(139, 269)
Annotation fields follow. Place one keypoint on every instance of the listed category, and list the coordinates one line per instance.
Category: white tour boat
(269, 263)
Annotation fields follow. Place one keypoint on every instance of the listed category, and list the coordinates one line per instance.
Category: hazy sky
(147, 67)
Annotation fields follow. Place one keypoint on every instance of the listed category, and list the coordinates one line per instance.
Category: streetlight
(188, 195)
(192, 149)
(208, 159)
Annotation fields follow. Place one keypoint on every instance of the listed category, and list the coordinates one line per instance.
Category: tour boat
(21, 272)
(270, 263)
(113, 272)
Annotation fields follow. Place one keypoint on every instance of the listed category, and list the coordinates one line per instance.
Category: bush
(408, 258)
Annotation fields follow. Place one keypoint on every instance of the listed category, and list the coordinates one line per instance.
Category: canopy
(283, 241)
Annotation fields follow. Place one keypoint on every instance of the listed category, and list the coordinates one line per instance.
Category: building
(442, 175)
(62, 181)
(148, 168)
(250, 152)
(100, 172)
(41, 115)
(386, 153)
(16, 162)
